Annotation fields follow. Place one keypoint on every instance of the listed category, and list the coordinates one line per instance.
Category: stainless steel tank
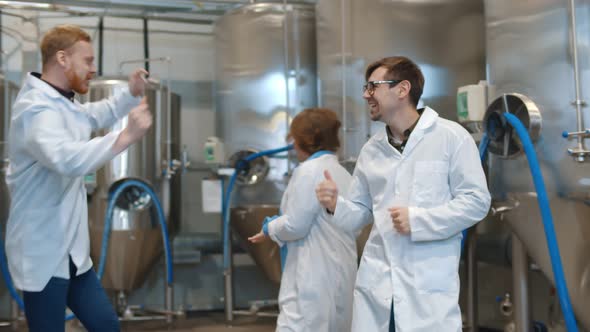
(136, 241)
(248, 220)
(8, 92)
(529, 51)
(265, 74)
(444, 37)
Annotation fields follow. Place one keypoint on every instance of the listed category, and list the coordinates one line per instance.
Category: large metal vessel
(8, 92)
(136, 241)
(265, 75)
(530, 52)
(444, 37)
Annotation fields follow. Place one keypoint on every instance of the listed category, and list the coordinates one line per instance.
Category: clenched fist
(137, 82)
(327, 192)
(139, 122)
(401, 220)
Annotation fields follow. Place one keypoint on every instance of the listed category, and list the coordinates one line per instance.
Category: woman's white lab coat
(318, 278)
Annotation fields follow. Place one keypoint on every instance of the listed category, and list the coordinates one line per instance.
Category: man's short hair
(60, 38)
(401, 68)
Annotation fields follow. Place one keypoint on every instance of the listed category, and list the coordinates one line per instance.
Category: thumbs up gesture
(327, 192)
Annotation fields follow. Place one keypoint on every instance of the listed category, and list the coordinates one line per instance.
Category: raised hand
(327, 192)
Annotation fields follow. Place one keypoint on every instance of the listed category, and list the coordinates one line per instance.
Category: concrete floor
(205, 322)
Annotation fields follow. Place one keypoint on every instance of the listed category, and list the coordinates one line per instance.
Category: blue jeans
(83, 294)
(391, 320)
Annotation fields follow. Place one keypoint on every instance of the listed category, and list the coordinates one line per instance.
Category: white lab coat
(318, 279)
(440, 178)
(50, 151)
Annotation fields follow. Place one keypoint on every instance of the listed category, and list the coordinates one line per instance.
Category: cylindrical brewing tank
(265, 75)
(8, 92)
(444, 37)
(135, 241)
(529, 51)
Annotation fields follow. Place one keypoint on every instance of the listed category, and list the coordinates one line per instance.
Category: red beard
(77, 84)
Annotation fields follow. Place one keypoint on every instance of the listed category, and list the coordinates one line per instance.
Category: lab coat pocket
(431, 183)
(435, 265)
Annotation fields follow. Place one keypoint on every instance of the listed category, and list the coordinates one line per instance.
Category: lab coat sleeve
(50, 143)
(301, 211)
(470, 202)
(354, 208)
(105, 113)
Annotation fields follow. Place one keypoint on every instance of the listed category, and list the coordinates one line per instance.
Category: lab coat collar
(38, 84)
(427, 120)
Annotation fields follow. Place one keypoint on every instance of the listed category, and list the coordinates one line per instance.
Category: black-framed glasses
(371, 85)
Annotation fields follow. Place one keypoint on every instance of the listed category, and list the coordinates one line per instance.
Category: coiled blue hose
(542, 198)
(161, 218)
(225, 204)
(105, 240)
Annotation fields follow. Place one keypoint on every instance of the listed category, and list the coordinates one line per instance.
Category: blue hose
(105, 239)
(483, 147)
(225, 204)
(161, 218)
(542, 198)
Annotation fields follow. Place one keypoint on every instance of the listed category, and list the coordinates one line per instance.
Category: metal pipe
(159, 59)
(169, 304)
(228, 286)
(297, 55)
(343, 71)
(520, 284)
(578, 102)
(472, 321)
(100, 45)
(22, 17)
(141, 318)
(258, 314)
(169, 121)
(118, 14)
(1, 48)
(17, 35)
(286, 59)
(152, 31)
(146, 46)
(5, 116)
